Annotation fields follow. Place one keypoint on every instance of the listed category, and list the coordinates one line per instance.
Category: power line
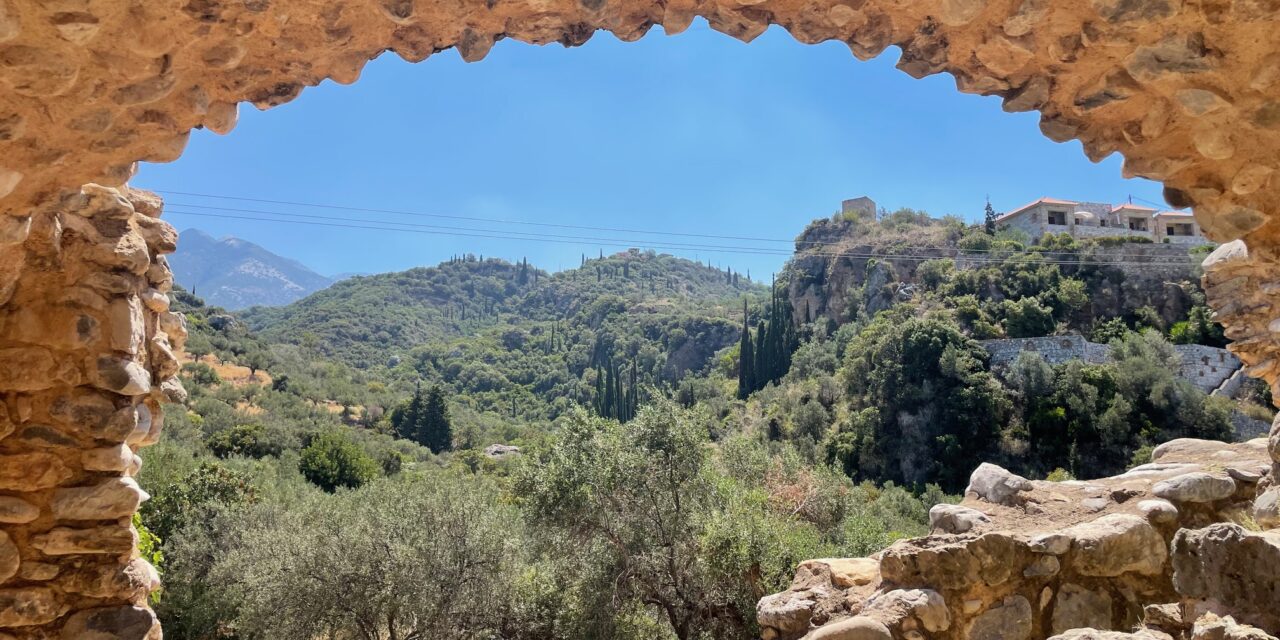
(623, 242)
(530, 234)
(468, 218)
(808, 243)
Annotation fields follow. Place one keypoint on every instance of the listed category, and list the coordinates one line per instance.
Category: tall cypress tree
(762, 356)
(435, 427)
(989, 224)
(746, 359)
(405, 418)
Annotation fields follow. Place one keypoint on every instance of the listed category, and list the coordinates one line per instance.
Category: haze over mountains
(237, 274)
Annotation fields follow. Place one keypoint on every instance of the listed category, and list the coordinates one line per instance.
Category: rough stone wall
(1187, 90)
(1206, 367)
(1157, 548)
(1054, 349)
(86, 357)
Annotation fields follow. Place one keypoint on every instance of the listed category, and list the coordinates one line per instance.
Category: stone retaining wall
(1206, 367)
(86, 359)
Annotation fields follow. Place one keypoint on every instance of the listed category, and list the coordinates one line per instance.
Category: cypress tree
(762, 357)
(746, 359)
(436, 432)
(405, 418)
(989, 224)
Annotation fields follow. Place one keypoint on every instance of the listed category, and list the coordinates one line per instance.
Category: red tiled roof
(1181, 214)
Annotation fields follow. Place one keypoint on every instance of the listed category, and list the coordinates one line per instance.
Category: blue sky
(696, 133)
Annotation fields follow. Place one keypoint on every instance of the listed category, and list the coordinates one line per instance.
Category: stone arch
(1187, 90)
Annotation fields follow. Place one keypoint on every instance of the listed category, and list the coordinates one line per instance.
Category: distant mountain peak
(234, 273)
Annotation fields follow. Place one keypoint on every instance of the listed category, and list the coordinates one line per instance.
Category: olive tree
(395, 560)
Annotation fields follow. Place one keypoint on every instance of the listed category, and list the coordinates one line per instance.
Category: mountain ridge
(235, 273)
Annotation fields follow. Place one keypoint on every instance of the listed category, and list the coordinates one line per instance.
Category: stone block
(65, 541)
(113, 498)
(1116, 544)
(122, 376)
(112, 623)
(32, 471)
(1078, 607)
(1195, 487)
(29, 606)
(1009, 620)
(856, 628)
(14, 510)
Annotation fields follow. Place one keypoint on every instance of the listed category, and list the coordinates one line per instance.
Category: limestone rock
(1163, 617)
(1159, 511)
(1043, 567)
(1232, 567)
(113, 458)
(112, 623)
(1054, 543)
(27, 369)
(786, 612)
(32, 471)
(9, 558)
(26, 606)
(953, 518)
(1273, 441)
(856, 628)
(125, 377)
(113, 498)
(63, 541)
(925, 606)
(1266, 509)
(1117, 544)
(1195, 487)
(996, 484)
(108, 580)
(1211, 627)
(1077, 607)
(173, 390)
(14, 510)
(1009, 620)
(849, 572)
(1094, 634)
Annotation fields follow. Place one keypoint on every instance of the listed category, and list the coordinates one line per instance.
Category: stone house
(1097, 219)
(862, 207)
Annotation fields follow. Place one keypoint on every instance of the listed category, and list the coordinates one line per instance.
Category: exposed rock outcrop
(1157, 547)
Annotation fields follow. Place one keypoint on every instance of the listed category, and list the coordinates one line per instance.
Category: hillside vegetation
(663, 481)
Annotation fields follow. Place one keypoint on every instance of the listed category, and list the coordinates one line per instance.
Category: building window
(1180, 229)
(1137, 224)
(1058, 217)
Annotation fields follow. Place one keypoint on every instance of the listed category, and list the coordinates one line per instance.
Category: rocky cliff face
(835, 269)
(1187, 546)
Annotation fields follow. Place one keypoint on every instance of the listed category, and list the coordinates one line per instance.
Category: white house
(1097, 219)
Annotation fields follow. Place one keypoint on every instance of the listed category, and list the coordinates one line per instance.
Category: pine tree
(990, 222)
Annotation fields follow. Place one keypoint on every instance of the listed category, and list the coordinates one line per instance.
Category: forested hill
(371, 321)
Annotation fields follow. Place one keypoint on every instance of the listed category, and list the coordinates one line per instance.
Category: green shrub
(333, 461)
(201, 374)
